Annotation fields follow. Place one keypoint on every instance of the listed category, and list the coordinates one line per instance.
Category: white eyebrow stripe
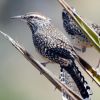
(40, 16)
(35, 14)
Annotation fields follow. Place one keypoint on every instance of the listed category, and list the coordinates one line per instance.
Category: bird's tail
(79, 80)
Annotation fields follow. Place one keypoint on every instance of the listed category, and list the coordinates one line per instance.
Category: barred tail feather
(79, 80)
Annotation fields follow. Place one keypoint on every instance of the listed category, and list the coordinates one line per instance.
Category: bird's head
(33, 18)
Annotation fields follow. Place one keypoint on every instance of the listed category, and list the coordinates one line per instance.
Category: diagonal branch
(90, 33)
(49, 75)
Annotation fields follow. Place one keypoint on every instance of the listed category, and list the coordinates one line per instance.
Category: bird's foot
(45, 63)
(83, 49)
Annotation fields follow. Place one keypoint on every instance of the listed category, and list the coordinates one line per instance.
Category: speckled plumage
(54, 45)
(51, 43)
(75, 34)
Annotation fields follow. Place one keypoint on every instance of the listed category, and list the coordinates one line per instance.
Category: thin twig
(49, 75)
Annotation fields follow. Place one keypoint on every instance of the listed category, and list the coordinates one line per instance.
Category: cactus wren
(75, 33)
(54, 45)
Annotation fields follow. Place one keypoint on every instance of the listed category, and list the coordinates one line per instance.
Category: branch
(89, 32)
(49, 75)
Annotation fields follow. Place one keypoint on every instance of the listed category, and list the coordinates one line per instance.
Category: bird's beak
(18, 17)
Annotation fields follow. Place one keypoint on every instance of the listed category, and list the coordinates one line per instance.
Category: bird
(52, 44)
(75, 33)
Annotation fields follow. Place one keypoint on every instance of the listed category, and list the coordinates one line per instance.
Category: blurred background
(19, 80)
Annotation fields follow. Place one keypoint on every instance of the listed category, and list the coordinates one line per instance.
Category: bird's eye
(31, 17)
(36, 18)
